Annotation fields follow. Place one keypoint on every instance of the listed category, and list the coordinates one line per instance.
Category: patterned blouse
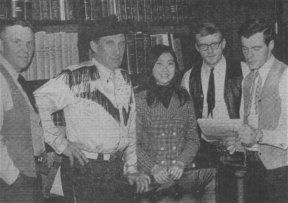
(165, 136)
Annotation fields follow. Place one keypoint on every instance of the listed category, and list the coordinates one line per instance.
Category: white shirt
(87, 123)
(220, 111)
(8, 171)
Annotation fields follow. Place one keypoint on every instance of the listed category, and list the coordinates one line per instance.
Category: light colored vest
(269, 113)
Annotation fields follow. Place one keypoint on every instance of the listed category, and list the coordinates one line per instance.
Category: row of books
(147, 11)
(53, 53)
(137, 50)
(39, 9)
(139, 11)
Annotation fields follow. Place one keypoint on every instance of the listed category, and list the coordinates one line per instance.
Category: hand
(233, 144)
(247, 135)
(141, 180)
(73, 151)
(176, 171)
(160, 174)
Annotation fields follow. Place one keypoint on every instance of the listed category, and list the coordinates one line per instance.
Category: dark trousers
(97, 181)
(264, 185)
(24, 190)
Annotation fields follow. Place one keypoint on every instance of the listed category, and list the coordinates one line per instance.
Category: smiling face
(210, 48)
(18, 46)
(164, 69)
(255, 51)
(109, 50)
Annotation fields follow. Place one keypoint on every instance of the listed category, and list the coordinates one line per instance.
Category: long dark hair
(151, 86)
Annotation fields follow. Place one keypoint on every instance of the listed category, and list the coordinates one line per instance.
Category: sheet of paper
(216, 129)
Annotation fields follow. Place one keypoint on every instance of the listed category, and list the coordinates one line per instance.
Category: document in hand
(218, 129)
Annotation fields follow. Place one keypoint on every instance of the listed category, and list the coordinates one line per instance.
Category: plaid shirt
(165, 136)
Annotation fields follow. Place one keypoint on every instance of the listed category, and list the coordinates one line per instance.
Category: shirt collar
(9, 68)
(104, 72)
(264, 70)
(219, 65)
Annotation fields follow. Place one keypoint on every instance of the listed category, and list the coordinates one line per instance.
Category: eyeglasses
(204, 47)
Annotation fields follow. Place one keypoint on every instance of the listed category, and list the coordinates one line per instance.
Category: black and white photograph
(143, 101)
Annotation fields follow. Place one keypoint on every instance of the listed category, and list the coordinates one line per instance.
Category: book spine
(140, 52)
(130, 53)
(96, 12)
(72, 10)
(118, 10)
(36, 9)
(155, 12)
(173, 11)
(28, 9)
(58, 53)
(140, 11)
(3, 9)
(75, 52)
(62, 9)
(52, 57)
(55, 9)
(39, 54)
(123, 10)
(17, 9)
(46, 57)
(45, 9)
(129, 9)
(64, 48)
(147, 11)
(87, 9)
(33, 69)
(69, 41)
(147, 46)
(104, 8)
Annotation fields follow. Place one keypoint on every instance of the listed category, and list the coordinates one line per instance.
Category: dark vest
(16, 130)
(232, 90)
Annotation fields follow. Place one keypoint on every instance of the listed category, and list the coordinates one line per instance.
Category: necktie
(211, 93)
(257, 91)
(30, 95)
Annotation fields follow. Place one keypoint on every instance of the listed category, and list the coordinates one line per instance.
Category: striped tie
(257, 91)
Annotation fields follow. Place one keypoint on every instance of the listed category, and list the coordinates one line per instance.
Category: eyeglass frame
(214, 45)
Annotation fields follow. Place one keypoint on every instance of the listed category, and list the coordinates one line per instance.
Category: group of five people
(117, 144)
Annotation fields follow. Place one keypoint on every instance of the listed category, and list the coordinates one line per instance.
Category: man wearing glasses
(214, 84)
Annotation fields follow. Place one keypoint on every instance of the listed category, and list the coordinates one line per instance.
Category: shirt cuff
(13, 175)
(130, 170)
(61, 146)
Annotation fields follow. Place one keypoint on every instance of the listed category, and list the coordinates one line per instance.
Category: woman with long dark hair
(167, 137)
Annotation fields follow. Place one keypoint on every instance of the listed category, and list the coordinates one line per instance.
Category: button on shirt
(8, 171)
(165, 135)
(87, 123)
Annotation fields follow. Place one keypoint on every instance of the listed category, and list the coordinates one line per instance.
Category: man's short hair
(208, 28)
(253, 26)
(11, 22)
